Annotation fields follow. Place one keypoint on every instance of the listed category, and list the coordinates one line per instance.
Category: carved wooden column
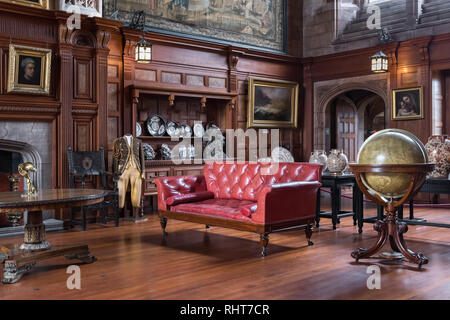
(134, 109)
(128, 79)
(233, 59)
(308, 117)
(101, 56)
(65, 121)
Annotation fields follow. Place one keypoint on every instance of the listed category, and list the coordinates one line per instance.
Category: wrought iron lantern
(143, 51)
(143, 47)
(380, 62)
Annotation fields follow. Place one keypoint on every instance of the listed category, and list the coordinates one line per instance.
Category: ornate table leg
(34, 238)
(13, 273)
(20, 262)
(83, 257)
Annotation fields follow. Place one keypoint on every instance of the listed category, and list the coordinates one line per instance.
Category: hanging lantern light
(143, 51)
(380, 62)
(143, 47)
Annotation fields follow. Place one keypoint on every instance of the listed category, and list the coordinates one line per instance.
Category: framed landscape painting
(407, 103)
(29, 69)
(272, 103)
(43, 4)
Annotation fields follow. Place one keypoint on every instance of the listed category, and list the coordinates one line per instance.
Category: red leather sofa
(257, 197)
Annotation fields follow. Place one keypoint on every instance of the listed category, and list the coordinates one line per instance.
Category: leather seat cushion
(226, 208)
(189, 197)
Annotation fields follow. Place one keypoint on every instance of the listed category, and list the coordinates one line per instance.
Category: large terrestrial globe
(391, 146)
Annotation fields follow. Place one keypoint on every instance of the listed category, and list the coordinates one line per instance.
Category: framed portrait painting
(43, 4)
(272, 103)
(407, 103)
(29, 69)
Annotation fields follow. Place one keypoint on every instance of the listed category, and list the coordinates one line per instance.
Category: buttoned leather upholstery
(245, 181)
(253, 192)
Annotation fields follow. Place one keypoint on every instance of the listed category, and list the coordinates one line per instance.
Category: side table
(335, 183)
(435, 186)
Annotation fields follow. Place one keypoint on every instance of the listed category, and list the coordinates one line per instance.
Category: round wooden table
(35, 248)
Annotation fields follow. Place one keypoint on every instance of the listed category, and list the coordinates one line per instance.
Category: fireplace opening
(10, 180)
(12, 153)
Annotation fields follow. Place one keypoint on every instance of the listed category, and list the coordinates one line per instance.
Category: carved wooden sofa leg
(309, 231)
(163, 222)
(264, 241)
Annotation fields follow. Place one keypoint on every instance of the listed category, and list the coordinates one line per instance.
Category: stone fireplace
(32, 140)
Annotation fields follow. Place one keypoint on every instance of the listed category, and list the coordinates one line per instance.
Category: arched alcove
(325, 92)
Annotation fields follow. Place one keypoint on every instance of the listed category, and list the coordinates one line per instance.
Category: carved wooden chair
(83, 164)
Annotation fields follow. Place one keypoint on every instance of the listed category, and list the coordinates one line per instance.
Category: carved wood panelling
(113, 97)
(170, 77)
(145, 75)
(217, 82)
(83, 79)
(113, 71)
(195, 80)
(409, 78)
(17, 26)
(113, 130)
(83, 133)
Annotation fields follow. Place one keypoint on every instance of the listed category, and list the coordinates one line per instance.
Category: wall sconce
(143, 47)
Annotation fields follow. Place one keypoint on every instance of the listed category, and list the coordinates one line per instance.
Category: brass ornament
(25, 169)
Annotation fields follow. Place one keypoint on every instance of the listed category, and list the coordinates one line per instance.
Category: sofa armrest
(286, 202)
(173, 186)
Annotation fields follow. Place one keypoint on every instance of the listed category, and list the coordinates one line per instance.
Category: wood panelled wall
(187, 67)
(411, 64)
(76, 105)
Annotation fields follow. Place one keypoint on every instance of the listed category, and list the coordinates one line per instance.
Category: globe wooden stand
(390, 228)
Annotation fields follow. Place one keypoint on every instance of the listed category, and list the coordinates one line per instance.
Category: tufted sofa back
(243, 181)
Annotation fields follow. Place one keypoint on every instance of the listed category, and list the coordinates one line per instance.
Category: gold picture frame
(42, 4)
(272, 103)
(29, 69)
(407, 103)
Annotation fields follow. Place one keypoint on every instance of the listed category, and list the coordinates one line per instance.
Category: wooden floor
(195, 263)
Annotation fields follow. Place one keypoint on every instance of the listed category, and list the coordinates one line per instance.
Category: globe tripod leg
(381, 228)
(402, 228)
(417, 258)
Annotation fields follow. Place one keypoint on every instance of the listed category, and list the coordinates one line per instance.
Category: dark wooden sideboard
(166, 168)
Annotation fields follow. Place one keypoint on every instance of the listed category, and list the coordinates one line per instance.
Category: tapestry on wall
(254, 23)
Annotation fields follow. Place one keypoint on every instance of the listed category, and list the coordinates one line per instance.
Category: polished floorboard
(216, 263)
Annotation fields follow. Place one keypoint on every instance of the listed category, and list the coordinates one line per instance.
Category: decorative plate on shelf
(186, 131)
(173, 129)
(214, 151)
(199, 131)
(213, 131)
(156, 126)
(149, 153)
(138, 129)
(166, 152)
(280, 154)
